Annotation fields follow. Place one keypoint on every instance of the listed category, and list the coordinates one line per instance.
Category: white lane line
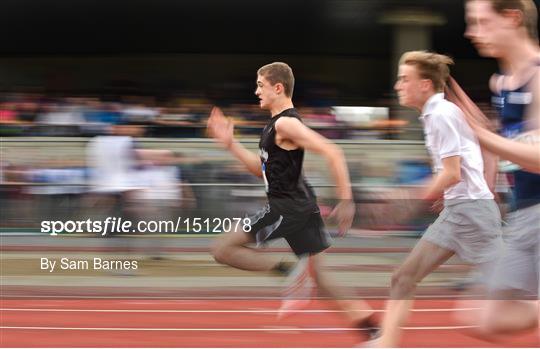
(311, 329)
(180, 298)
(221, 310)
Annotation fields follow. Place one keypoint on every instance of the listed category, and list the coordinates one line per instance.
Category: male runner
(291, 212)
(507, 30)
(470, 223)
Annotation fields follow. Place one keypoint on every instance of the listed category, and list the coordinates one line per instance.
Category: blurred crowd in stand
(27, 114)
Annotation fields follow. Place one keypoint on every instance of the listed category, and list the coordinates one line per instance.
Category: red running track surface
(216, 323)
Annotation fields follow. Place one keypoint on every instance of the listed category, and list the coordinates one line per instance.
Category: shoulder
(449, 110)
(448, 115)
(531, 77)
(288, 122)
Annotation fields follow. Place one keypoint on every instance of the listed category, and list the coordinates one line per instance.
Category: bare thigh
(233, 239)
(423, 259)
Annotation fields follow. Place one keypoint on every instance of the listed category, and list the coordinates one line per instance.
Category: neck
(280, 106)
(424, 101)
(519, 56)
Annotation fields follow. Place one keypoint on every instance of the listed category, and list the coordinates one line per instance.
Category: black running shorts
(304, 232)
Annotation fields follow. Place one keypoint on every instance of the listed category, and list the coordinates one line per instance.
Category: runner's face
(487, 30)
(408, 86)
(266, 92)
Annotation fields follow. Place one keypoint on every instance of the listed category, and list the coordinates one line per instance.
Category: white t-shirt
(448, 134)
(112, 163)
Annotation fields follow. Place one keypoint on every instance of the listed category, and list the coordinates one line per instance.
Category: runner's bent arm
(449, 176)
(221, 129)
(295, 131)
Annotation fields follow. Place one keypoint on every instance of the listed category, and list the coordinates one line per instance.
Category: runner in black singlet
(291, 211)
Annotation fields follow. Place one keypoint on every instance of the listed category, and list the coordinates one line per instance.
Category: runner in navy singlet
(508, 32)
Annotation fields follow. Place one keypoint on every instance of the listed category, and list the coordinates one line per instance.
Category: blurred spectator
(162, 195)
(8, 115)
(100, 116)
(323, 121)
(57, 189)
(61, 119)
(139, 114)
(41, 115)
(113, 161)
(10, 125)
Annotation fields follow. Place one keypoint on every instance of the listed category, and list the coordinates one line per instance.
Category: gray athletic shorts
(470, 228)
(519, 265)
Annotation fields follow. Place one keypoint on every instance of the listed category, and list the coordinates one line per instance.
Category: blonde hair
(279, 72)
(432, 66)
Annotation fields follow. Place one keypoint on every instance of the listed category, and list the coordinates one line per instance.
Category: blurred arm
(449, 176)
(221, 129)
(302, 136)
(251, 160)
(299, 134)
(491, 168)
(522, 154)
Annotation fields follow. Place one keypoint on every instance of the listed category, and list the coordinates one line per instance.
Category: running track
(151, 322)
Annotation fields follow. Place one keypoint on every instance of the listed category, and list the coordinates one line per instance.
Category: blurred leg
(231, 249)
(424, 258)
(508, 316)
(357, 310)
